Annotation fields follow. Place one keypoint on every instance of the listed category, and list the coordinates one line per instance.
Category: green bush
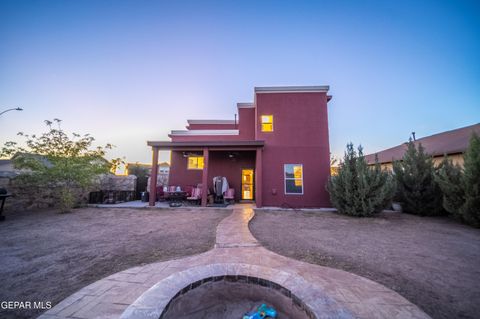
(61, 164)
(450, 180)
(360, 190)
(461, 188)
(470, 211)
(417, 189)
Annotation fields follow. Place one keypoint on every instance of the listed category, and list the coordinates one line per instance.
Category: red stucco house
(276, 154)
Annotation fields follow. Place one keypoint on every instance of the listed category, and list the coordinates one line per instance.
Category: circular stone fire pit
(228, 290)
(231, 296)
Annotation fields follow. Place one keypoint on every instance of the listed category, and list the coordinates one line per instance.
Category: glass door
(247, 184)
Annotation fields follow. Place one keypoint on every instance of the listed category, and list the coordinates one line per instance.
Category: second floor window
(195, 162)
(267, 123)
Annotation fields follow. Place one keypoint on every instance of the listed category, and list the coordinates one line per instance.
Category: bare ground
(46, 256)
(433, 262)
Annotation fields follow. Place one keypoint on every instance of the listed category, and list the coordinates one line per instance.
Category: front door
(247, 184)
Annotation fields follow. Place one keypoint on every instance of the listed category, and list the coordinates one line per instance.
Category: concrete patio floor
(144, 292)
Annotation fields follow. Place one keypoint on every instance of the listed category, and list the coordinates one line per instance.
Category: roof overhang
(200, 145)
(292, 89)
(211, 121)
(203, 132)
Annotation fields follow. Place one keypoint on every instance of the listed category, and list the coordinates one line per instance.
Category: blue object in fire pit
(262, 312)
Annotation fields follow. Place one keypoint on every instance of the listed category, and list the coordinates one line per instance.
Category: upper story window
(267, 123)
(195, 162)
(293, 179)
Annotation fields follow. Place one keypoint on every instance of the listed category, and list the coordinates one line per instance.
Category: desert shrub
(417, 188)
(360, 190)
(461, 188)
(61, 165)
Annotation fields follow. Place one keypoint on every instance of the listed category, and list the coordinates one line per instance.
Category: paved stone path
(143, 292)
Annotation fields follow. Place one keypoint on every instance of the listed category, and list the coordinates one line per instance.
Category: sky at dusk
(131, 71)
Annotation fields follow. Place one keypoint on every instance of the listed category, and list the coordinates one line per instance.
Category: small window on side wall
(267, 123)
(195, 162)
(293, 174)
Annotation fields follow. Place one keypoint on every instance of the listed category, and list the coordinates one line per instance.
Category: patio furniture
(220, 186)
(175, 196)
(169, 191)
(229, 195)
(3, 196)
(160, 193)
(196, 195)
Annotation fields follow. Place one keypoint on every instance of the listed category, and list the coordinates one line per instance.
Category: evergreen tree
(359, 190)
(417, 189)
(450, 180)
(470, 210)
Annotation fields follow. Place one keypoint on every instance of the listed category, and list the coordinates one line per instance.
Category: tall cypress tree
(470, 211)
(359, 190)
(450, 180)
(417, 189)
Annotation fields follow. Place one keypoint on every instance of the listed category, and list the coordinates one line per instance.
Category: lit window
(267, 123)
(195, 162)
(293, 179)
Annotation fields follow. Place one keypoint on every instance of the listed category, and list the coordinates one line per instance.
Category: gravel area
(46, 256)
(433, 262)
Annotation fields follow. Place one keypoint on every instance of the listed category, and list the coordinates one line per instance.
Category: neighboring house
(451, 143)
(277, 154)
(163, 173)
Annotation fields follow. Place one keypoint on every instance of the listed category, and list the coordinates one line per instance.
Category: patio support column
(153, 178)
(205, 177)
(258, 178)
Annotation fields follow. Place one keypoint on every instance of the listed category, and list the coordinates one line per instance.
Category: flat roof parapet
(211, 121)
(291, 89)
(246, 105)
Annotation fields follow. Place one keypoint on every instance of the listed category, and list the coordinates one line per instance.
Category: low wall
(27, 197)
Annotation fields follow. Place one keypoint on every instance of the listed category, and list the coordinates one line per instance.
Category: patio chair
(160, 193)
(229, 195)
(189, 190)
(196, 195)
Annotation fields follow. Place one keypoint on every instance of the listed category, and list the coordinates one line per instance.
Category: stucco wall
(220, 164)
(300, 136)
(247, 123)
(179, 174)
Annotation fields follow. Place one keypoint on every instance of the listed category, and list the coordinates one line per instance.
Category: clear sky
(131, 71)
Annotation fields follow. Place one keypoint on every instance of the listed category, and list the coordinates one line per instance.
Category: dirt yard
(46, 256)
(433, 262)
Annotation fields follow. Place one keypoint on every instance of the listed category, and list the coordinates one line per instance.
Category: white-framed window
(293, 175)
(267, 123)
(195, 162)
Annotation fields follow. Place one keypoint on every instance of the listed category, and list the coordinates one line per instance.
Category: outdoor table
(176, 197)
(3, 197)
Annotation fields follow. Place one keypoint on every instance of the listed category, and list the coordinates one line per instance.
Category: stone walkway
(144, 292)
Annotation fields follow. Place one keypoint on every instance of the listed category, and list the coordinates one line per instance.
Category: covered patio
(251, 153)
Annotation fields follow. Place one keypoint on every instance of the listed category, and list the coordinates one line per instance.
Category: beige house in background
(451, 143)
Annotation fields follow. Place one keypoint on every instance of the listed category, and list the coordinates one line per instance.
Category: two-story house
(276, 154)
